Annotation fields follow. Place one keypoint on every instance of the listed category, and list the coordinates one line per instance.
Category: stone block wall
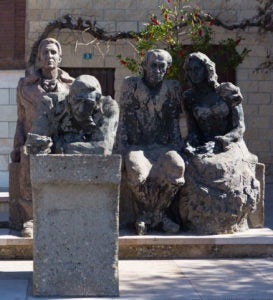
(8, 117)
(126, 15)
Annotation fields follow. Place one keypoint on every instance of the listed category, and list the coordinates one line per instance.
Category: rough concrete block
(127, 26)
(12, 128)
(6, 146)
(127, 4)
(75, 206)
(256, 219)
(4, 162)
(4, 129)
(10, 78)
(16, 215)
(4, 96)
(8, 113)
(12, 96)
(4, 182)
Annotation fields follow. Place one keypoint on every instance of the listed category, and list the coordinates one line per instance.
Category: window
(12, 34)
(105, 76)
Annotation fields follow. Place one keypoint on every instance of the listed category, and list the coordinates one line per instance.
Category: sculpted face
(155, 69)
(50, 56)
(83, 103)
(196, 71)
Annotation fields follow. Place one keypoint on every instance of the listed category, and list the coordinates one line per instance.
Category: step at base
(4, 202)
(252, 243)
(4, 219)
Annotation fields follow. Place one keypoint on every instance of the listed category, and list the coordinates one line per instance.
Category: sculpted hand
(223, 140)
(15, 155)
(38, 144)
(189, 149)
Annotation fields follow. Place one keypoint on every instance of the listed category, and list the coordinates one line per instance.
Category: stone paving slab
(228, 279)
(183, 279)
(13, 289)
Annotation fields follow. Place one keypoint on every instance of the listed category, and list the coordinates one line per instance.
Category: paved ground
(187, 279)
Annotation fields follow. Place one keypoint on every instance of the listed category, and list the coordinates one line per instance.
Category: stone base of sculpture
(221, 191)
(20, 208)
(75, 206)
(15, 212)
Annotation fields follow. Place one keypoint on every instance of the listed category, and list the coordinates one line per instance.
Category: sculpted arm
(177, 99)
(233, 97)
(127, 124)
(39, 139)
(109, 126)
(238, 127)
(193, 136)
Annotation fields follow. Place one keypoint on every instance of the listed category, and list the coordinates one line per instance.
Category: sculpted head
(49, 53)
(199, 68)
(84, 99)
(155, 65)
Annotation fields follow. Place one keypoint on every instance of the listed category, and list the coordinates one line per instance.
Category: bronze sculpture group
(208, 177)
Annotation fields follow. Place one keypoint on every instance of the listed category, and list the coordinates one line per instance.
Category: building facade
(83, 53)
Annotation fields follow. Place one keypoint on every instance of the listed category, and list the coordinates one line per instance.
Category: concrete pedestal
(75, 206)
(15, 211)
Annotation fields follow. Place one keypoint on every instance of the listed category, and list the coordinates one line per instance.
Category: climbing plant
(177, 26)
(181, 28)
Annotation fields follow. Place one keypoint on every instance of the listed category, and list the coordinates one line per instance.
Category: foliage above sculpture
(179, 22)
(201, 23)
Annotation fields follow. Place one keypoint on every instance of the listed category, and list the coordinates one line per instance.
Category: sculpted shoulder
(230, 93)
(65, 77)
(130, 83)
(30, 79)
(34, 78)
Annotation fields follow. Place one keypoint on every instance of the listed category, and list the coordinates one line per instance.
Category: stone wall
(126, 15)
(8, 117)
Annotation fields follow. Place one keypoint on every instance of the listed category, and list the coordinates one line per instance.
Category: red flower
(238, 41)
(168, 1)
(211, 22)
(166, 16)
(200, 32)
(123, 62)
(180, 52)
(154, 21)
(182, 17)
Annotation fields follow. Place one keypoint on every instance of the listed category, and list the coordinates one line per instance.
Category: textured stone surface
(47, 81)
(150, 141)
(109, 12)
(221, 187)
(75, 224)
(16, 214)
(256, 218)
(253, 243)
